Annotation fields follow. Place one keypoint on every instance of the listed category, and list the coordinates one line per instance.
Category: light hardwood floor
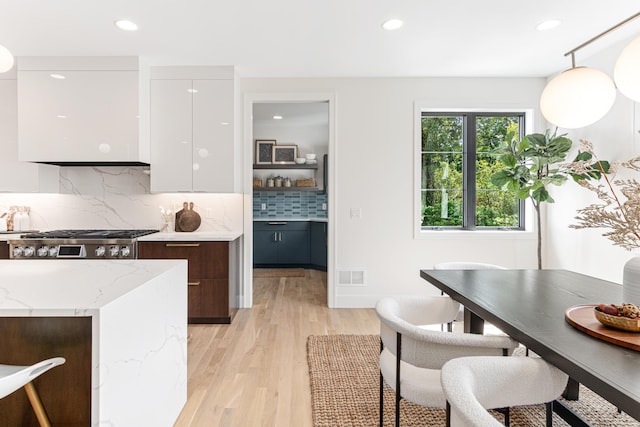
(254, 372)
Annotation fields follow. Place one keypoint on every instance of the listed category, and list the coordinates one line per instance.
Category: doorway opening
(288, 211)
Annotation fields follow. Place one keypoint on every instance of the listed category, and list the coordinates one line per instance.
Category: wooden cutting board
(187, 219)
(582, 318)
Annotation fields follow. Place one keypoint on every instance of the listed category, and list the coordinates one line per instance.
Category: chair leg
(398, 359)
(549, 406)
(381, 414)
(36, 404)
(448, 415)
(507, 417)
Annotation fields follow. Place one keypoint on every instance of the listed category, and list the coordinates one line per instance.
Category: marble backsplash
(119, 198)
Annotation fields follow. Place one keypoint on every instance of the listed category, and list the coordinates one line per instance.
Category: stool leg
(36, 404)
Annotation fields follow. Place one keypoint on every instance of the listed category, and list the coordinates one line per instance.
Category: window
(456, 166)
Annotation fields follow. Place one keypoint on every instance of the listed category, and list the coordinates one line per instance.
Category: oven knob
(29, 251)
(125, 251)
(53, 251)
(43, 251)
(17, 251)
(114, 251)
(100, 251)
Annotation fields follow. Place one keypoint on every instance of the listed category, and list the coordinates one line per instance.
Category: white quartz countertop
(293, 219)
(214, 236)
(71, 287)
(4, 237)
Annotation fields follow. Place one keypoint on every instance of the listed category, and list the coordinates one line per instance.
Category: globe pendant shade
(6, 59)
(627, 71)
(577, 98)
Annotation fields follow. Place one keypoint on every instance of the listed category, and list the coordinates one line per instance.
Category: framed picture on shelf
(284, 154)
(264, 151)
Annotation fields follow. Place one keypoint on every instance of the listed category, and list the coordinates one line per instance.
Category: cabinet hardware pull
(182, 245)
(278, 223)
(194, 283)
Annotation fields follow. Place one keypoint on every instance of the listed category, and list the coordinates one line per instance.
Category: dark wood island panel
(65, 390)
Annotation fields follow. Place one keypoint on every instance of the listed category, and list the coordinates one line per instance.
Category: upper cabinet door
(171, 135)
(16, 176)
(192, 129)
(213, 136)
(78, 115)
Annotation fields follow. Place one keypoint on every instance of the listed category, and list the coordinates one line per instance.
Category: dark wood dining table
(530, 306)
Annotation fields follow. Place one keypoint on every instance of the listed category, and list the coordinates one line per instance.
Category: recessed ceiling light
(126, 25)
(392, 24)
(548, 24)
(277, 117)
(61, 116)
(192, 90)
(57, 76)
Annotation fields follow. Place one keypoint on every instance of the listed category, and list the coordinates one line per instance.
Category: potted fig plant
(531, 164)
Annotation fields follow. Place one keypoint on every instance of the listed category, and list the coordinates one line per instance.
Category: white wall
(373, 167)
(615, 138)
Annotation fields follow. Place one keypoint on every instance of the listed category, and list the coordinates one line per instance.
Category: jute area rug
(278, 272)
(344, 391)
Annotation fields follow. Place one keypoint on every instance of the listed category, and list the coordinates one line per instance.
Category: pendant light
(6, 59)
(577, 97)
(627, 71)
(581, 96)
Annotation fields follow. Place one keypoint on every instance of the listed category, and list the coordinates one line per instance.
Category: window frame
(526, 226)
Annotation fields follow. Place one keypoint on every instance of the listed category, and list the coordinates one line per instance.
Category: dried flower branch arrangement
(619, 214)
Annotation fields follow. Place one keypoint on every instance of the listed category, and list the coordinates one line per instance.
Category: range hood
(94, 163)
(83, 111)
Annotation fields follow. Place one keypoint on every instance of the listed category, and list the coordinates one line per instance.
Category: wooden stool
(13, 377)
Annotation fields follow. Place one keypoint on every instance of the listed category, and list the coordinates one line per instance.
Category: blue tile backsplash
(289, 204)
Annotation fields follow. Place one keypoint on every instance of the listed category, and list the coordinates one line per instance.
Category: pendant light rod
(588, 42)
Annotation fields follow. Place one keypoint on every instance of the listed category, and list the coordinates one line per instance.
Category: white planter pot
(631, 282)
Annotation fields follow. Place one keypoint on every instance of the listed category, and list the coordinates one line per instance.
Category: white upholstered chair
(411, 356)
(474, 384)
(465, 265)
(13, 377)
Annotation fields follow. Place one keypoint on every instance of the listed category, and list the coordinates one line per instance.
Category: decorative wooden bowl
(618, 322)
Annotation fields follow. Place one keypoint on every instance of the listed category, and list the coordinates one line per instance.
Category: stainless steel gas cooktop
(82, 244)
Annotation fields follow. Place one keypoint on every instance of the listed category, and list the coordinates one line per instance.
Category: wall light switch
(263, 207)
(208, 212)
(324, 206)
(356, 213)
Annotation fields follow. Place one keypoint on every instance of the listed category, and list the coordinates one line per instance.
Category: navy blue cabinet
(318, 246)
(281, 243)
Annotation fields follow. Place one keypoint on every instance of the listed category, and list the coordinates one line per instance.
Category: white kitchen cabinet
(17, 176)
(192, 129)
(80, 110)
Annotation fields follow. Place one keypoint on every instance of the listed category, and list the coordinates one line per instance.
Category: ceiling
(322, 38)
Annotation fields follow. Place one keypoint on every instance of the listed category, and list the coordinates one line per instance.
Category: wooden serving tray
(582, 318)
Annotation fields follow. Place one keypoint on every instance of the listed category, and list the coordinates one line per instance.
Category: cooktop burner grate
(89, 234)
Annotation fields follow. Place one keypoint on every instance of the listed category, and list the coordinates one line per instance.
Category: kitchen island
(121, 325)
